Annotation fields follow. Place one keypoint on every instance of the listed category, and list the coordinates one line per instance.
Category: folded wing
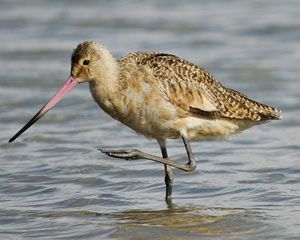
(193, 90)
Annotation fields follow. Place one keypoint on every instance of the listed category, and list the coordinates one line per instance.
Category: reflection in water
(195, 220)
(172, 223)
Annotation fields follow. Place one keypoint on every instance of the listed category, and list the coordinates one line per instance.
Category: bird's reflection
(194, 219)
(175, 221)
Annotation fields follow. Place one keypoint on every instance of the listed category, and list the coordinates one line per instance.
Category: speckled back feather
(194, 90)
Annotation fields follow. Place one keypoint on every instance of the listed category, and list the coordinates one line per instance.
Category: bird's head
(89, 61)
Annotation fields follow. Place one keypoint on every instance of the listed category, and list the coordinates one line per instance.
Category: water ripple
(55, 184)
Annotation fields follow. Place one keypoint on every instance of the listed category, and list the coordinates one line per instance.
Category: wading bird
(162, 97)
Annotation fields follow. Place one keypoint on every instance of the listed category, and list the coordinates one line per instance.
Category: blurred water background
(54, 184)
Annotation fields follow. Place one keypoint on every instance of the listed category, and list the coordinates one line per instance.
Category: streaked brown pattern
(190, 87)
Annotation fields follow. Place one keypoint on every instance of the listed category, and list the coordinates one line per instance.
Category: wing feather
(194, 90)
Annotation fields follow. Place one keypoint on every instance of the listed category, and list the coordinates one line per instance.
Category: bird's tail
(260, 111)
(269, 113)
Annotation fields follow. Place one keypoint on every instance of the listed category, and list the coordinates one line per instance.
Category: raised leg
(191, 159)
(169, 177)
(133, 154)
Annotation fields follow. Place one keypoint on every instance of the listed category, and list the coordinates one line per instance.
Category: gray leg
(133, 154)
(169, 177)
(192, 162)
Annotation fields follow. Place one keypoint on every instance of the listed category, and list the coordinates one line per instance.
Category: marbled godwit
(161, 97)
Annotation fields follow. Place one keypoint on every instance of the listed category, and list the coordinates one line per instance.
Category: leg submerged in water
(169, 176)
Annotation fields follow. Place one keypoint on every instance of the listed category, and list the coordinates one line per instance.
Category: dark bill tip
(67, 87)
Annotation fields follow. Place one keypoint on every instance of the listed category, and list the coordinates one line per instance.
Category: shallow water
(55, 184)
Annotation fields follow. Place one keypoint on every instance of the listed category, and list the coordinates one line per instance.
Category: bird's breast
(143, 109)
(141, 106)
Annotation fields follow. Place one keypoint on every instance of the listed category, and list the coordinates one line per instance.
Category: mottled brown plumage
(160, 96)
(186, 84)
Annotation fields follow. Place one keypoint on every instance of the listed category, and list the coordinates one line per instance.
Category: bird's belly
(153, 119)
(203, 129)
(196, 128)
(151, 125)
(164, 122)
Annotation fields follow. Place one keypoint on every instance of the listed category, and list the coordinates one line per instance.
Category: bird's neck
(104, 88)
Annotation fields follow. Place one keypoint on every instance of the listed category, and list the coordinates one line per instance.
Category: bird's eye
(86, 62)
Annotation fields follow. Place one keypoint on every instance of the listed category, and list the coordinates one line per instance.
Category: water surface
(54, 184)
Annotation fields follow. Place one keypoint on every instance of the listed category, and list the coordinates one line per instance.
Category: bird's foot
(128, 154)
(133, 154)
